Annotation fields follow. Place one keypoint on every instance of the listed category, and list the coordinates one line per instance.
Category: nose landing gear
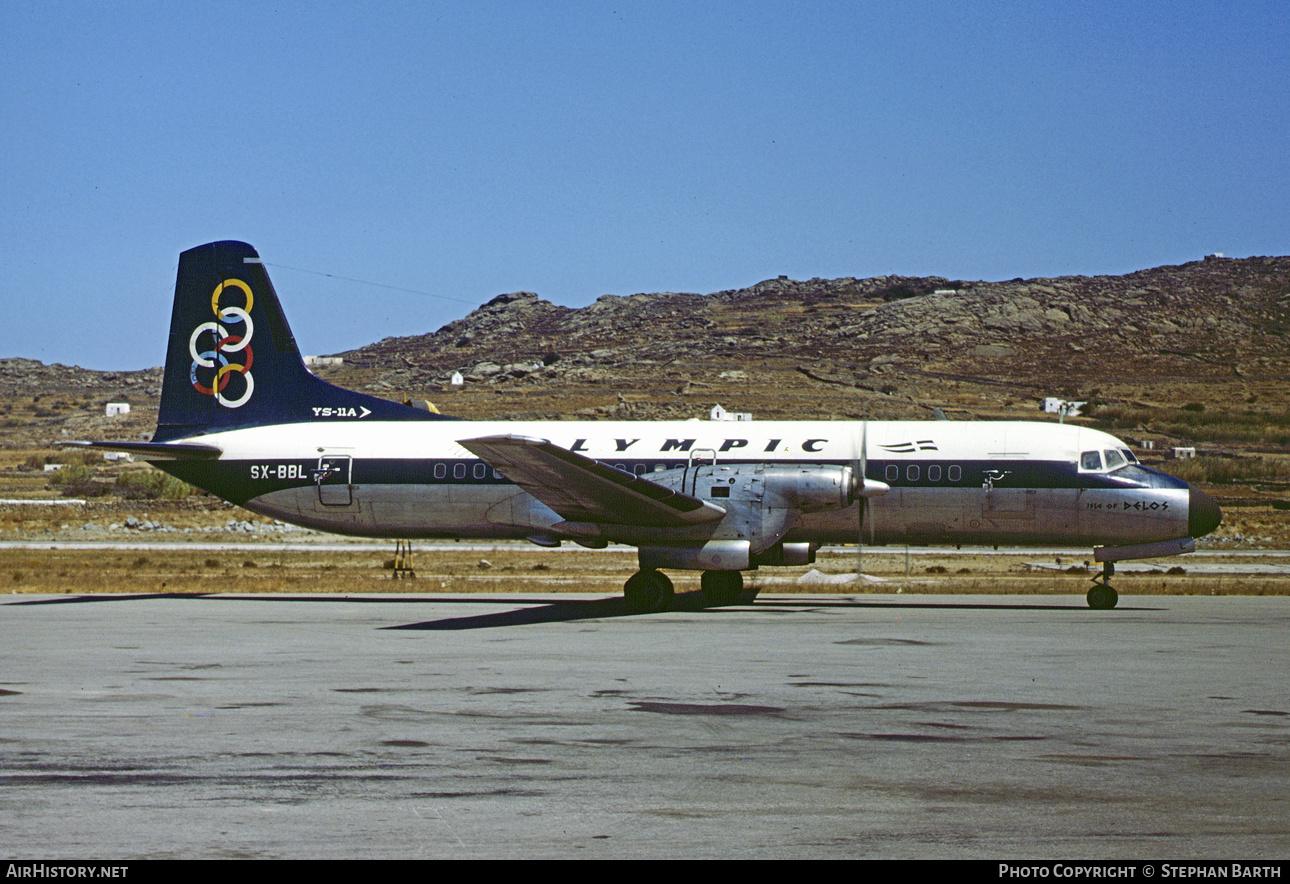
(1103, 597)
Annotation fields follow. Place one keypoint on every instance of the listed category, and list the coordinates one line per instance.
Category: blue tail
(232, 361)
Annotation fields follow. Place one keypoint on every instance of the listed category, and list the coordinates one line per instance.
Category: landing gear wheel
(722, 588)
(647, 592)
(1102, 597)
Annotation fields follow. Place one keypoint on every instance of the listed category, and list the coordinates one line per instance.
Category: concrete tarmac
(557, 726)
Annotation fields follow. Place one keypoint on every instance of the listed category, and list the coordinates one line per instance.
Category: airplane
(243, 418)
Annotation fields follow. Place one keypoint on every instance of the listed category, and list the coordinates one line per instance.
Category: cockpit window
(1090, 460)
(1128, 455)
(1114, 459)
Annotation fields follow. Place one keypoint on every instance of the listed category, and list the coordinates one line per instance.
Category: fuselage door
(333, 478)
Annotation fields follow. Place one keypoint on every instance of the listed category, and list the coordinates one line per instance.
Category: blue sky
(461, 150)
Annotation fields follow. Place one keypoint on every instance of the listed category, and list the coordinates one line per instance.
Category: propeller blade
(871, 489)
(861, 499)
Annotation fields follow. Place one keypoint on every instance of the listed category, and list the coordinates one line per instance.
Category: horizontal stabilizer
(155, 450)
(584, 490)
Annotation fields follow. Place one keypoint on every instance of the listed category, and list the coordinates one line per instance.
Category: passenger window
(459, 471)
(639, 469)
(933, 473)
(1113, 459)
(893, 472)
(956, 473)
(911, 473)
(1090, 460)
(481, 470)
(440, 470)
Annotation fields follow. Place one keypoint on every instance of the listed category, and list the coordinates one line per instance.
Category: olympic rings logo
(215, 354)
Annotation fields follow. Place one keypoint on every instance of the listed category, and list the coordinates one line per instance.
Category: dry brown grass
(255, 569)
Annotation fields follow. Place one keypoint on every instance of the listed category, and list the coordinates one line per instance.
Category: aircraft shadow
(577, 609)
(332, 599)
(555, 609)
(561, 611)
(111, 597)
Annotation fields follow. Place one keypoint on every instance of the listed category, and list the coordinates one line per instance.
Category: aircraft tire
(647, 592)
(1102, 598)
(721, 588)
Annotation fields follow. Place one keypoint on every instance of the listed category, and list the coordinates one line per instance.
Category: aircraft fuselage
(950, 482)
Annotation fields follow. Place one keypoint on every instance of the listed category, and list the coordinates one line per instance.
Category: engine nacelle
(809, 489)
(762, 504)
(787, 554)
(724, 555)
(715, 555)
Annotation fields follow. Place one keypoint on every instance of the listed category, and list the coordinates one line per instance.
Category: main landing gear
(1102, 597)
(648, 592)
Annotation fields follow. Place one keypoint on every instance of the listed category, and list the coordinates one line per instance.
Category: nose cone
(1203, 515)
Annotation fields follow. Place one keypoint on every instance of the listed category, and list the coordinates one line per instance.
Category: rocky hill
(1207, 334)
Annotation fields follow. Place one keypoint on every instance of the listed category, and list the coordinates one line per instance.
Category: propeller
(859, 478)
(863, 489)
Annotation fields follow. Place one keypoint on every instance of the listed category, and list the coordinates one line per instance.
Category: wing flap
(584, 490)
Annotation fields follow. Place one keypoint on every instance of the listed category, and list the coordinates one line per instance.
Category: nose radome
(1203, 515)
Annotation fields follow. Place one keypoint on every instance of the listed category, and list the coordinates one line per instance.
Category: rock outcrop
(1215, 318)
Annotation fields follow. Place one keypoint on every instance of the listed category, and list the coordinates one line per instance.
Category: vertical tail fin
(232, 361)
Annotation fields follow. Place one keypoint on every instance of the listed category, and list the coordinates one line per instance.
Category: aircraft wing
(155, 450)
(584, 490)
